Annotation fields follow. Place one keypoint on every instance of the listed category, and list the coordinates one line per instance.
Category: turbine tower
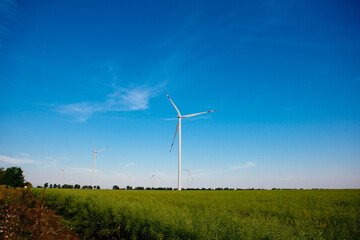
(188, 176)
(63, 173)
(95, 152)
(153, 177)
(129, 180)
(178, 128)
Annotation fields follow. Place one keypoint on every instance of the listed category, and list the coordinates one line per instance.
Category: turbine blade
(103, 149)
(173, 104)
(177, 127)
(92, 146)
(195, 114)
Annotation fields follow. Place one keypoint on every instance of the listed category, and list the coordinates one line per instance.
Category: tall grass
(286, 214)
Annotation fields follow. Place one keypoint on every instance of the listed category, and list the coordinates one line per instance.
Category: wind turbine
(188, 176)
(178, 127)
(63, 173)
(129, 180)
(95, 152)
(153, 177)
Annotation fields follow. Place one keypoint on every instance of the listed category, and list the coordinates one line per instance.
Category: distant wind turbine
(63, 173)
(178, 127)
(188, 176)
(153, 177)
(95, 152)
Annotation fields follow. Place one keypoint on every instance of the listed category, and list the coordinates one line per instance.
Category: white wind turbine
(188, 176)
(153, 177)
(129, 180)
(95, 152)
(63, 173)
(178, 127)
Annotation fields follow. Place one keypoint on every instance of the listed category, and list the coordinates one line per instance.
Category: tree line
(14, 177)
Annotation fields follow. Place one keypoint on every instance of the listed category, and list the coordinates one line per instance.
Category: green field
(258, 214)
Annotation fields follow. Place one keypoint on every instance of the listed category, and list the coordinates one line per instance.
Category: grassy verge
(22, 216)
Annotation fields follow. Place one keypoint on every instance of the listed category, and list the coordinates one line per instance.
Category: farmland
(266, 214)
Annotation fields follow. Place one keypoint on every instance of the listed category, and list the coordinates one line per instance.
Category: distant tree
(50, 186)
(116, 187)
(28, 184)
(98, 187)
(46, 185)
(12, 176)
(89, 187)
(128, 187)
(77, 186)
(2, 172)
(55, 186)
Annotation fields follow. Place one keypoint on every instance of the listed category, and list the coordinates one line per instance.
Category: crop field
(258, 214)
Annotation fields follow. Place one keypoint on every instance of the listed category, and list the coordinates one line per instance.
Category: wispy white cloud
(246, 165)
(80, 111)
(15, 160)
(25, 154)
(131, 99)
(130, 164)
(122, 99)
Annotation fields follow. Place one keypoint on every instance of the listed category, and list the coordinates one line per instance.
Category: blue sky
(283, 75)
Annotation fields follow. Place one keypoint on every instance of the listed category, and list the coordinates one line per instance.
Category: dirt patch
(22, 216)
